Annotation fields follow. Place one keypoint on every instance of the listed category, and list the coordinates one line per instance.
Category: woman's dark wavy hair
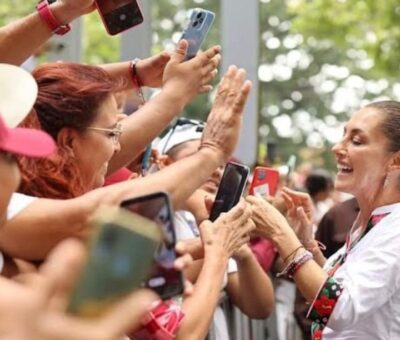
(69, 96)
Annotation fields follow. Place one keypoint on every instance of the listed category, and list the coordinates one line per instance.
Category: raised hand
(150, 70)
(268, 220)
(229, 232)
(185, 79)
(225, 119)
(299, 214)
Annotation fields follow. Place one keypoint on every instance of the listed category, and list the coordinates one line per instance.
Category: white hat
(183, 131)
(18, 92)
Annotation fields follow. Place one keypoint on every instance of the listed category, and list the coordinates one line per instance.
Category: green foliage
(369, 25)
(11, 10)
(98, 46)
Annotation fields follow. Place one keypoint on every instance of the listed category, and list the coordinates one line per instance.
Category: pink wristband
(51, 21)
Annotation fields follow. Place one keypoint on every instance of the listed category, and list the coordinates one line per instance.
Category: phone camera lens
(199, 15)
(195, 23)
(201, 20)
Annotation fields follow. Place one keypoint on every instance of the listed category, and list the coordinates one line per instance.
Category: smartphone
(196, 31)
(163, 278)
(119, 15)
(265, 181)
(121, 254)
(230, 189)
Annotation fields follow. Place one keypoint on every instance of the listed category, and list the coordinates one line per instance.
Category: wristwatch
(48, 17)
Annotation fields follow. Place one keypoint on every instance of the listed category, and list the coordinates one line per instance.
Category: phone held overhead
(197, 29)
(121, 256)
(119, 15)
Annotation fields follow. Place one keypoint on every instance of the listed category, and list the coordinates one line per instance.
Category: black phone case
(167, 282)
(230, 189)
(121, 18)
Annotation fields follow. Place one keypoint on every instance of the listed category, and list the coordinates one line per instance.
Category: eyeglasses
(114, 134)
(180, 122)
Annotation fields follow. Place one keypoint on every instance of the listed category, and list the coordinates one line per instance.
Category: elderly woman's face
(362, 156)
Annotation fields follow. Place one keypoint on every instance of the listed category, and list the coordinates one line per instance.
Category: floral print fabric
(323, 306)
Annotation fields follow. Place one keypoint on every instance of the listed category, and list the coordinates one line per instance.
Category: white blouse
(369, 305)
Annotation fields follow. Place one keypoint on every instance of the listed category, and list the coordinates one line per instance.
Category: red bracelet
(51, 21)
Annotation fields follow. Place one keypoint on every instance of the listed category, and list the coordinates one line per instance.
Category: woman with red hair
(77, 107)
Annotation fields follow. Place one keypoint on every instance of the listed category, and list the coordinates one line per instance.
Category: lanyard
(350, 244)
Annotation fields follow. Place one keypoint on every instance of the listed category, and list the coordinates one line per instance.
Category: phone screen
(163, 278)
(230, 189)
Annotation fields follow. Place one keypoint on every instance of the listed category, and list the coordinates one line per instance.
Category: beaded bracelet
(307, 256)
(292, 253)
(295, 264)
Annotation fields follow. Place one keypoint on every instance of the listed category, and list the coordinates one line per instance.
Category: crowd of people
(63, 137)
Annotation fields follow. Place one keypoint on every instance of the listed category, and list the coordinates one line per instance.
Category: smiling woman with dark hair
(356, 295)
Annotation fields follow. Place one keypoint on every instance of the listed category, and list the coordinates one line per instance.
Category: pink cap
(26, 142)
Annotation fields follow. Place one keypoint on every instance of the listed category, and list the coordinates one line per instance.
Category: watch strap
(51, 21)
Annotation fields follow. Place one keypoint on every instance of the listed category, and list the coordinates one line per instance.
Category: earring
(387, 181)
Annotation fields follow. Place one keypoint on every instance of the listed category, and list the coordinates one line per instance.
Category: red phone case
(265, 181)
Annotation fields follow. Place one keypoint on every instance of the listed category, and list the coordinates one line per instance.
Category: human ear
(395, 162)
(67, 139)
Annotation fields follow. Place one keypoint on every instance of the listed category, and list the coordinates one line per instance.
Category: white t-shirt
(369, 305)
(18, 203)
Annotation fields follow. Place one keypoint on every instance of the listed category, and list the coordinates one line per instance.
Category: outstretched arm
(31, 32)
(250, 288)
(32, 233)
(181, 81)
(221, 239)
